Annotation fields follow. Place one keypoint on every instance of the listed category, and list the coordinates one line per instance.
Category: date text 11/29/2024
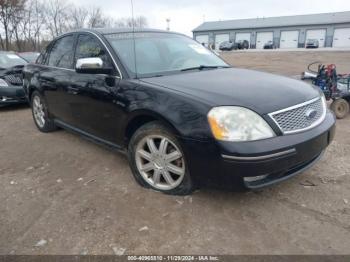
(173, 258)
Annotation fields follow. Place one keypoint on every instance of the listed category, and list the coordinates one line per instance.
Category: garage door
(319, 34)
(289, 39)
(262, 38)
(203, 39)
(221, 38)
(243, 36)
(341, 37)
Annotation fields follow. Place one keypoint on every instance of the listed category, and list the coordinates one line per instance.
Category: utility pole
(168, 24)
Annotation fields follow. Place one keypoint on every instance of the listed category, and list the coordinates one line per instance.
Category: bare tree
(56, 16)
(97, 18)
(10, 12)
(78, 16)
(38, 22)
(30, 26)
(139, 22)
(26, 25)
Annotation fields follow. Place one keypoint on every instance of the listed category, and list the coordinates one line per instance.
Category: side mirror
(91, 65)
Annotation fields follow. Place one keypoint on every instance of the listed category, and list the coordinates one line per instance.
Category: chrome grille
(15, 79)
(300, 117)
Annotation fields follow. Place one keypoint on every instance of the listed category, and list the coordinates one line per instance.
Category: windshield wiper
(201, 67)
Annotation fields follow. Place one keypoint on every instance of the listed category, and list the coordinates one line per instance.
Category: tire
(340, 107)
(40, 113)
(150, 167)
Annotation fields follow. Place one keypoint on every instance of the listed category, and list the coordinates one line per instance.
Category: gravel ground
(61, 194)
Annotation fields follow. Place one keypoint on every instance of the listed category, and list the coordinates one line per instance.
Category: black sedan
(182, 115)
(11, 90)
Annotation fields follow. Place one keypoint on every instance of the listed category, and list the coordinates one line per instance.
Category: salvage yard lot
(61, 194)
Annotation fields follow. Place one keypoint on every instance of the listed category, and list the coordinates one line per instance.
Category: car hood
(261, 92)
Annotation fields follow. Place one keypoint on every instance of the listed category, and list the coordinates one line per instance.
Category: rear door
(55, 76)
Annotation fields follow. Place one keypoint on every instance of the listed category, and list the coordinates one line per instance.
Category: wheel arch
(142, 117)
(31, 90)
(347, 98)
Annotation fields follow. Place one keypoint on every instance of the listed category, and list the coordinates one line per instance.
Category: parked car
(181, 114)
(30, 57)
(241, 44)
(312, 43)
(11, 90)
(226, 46)
(270, 45)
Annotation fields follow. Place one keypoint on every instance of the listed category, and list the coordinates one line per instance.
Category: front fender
(185, 114)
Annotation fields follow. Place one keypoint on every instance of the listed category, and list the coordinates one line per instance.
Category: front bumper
(12, 95)
(274, 159)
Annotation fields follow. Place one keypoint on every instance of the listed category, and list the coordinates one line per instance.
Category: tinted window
(61, 53)
(90, 46)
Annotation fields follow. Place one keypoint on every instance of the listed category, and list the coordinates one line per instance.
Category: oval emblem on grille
(310, 114)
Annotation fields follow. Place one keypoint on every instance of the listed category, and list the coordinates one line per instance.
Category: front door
(95, 106)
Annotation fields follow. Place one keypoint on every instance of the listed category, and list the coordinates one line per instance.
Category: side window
(90, 46)
(62, 52)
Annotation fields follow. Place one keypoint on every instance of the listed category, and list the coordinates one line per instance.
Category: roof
(280, 21)
(106, 31)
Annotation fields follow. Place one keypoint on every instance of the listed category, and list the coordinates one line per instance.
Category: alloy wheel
(38, 111)
(160, 162)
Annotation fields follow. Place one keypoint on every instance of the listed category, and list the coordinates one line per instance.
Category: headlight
(233, 123)
(3, 83)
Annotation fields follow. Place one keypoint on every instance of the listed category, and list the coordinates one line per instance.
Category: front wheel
(158, 161)
(340, 107)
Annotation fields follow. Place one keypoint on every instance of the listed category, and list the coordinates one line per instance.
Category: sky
(186, 15)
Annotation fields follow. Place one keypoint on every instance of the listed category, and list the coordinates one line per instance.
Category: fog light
(254, 178)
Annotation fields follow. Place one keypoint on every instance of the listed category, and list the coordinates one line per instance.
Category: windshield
(30, 57)
(8, 60)
(161, 53)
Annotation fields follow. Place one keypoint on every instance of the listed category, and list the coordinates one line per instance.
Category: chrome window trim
(62, 68)
(254, 158)
(72, 70)
(316, 123)
(109, 52)
(101, 41)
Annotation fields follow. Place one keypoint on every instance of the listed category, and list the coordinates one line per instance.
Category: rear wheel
(40, 114)
(340, 107)
(158, 161)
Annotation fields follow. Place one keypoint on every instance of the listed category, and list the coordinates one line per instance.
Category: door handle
(72, 90)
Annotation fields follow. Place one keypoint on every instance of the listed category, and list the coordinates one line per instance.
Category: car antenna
(133, 34)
